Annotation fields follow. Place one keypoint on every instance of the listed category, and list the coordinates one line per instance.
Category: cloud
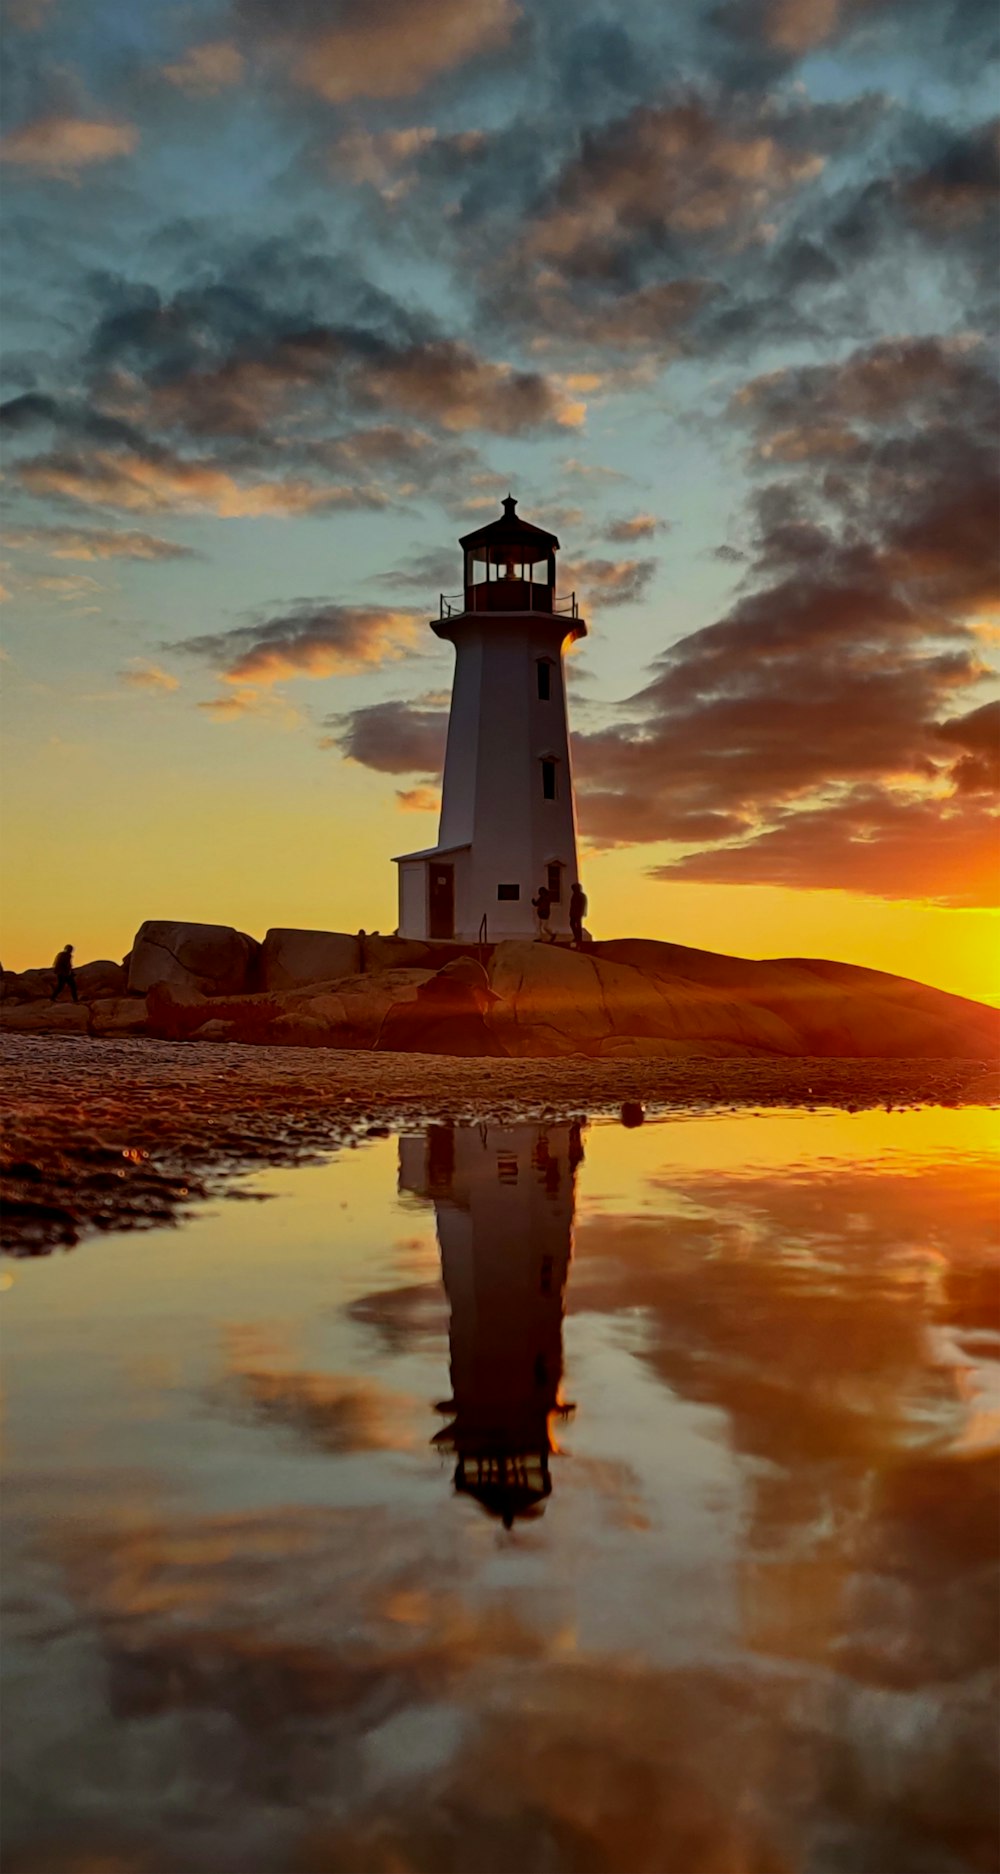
(346, 49)
(601, 583)
(393, 737)
(418, 799)
(146, 676)
(432, 570)
(282, 383)
(312, 640)
(63, 146)
(977, 735)
(70, 543)
(875, 842)
(662, 171)
(208, 68)
(634, 527)
(828, 725)
(159, 482)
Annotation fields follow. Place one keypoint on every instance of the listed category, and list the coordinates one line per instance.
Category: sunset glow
(294, 297)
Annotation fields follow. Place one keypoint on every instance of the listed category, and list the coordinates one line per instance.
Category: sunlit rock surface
(639, 997)
(343, 1014)
(212, 958)
(630, 999)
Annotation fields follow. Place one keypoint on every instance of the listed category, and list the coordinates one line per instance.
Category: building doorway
(442, 901)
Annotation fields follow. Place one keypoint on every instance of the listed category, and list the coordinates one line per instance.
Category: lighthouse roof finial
(509, 528)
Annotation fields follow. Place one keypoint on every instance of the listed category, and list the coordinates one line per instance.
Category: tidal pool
(538, 1500)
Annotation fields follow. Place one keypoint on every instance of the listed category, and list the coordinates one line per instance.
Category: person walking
(577, 913)
(543, 911)
(65, 978)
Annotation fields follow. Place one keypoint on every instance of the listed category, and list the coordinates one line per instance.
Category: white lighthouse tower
(508, 822)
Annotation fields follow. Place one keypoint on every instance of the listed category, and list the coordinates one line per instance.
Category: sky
(293, 295)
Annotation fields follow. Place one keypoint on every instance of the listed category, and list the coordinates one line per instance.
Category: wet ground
(546, 1496)
(125, 1134)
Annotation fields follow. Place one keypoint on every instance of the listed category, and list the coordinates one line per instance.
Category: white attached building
(508, 822)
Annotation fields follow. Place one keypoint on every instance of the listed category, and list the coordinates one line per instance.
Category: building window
(555, 881)
(508, 891)
(544, 669)
(548, 780)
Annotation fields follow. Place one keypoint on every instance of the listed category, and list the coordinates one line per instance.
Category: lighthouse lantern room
(508, 822)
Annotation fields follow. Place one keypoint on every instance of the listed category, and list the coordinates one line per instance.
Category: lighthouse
(508, 820)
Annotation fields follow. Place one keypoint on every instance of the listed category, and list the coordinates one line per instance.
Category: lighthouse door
(442, 901)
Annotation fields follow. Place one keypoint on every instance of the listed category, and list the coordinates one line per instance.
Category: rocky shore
(627, 999)
(122, 1134)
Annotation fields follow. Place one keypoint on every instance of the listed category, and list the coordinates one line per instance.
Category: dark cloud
(872, 843)
(600, 583)
(284, 372)
(393, 737)
(977, 734)
(819, 722)
(311, 640)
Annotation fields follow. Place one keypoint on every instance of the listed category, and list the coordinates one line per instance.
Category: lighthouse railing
(453, 604)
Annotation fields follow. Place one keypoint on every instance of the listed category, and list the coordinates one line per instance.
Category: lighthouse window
(548, 780)
(544, 669)
(508, 891)
(555, 881)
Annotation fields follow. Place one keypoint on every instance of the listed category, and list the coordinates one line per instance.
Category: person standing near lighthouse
(508, 816)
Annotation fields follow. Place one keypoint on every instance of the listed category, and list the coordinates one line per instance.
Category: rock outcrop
(622, 1000)
(343, 1014)
(292, 959)
(213, 959)
(447, 1015)
(634, 998)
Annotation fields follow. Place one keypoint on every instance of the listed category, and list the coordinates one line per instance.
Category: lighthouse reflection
(504, 1201)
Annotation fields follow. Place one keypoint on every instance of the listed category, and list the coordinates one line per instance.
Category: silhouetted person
(543, 911)
(577, 913)
(65, 978)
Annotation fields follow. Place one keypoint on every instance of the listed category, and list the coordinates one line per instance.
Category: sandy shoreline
(121, 1134)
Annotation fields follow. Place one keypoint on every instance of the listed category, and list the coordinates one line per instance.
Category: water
(658, 1536)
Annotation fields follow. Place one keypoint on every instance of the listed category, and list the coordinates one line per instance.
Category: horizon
(292, 302)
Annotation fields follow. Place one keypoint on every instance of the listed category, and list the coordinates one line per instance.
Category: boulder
(92, 979)
(446, 1016)
(28, 985)
(119, 1015)
(211, 958)
(292, 959)
(395, 953)
(345, 1014)
(101, 979)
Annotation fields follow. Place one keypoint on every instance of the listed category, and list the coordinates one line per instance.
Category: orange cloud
(313, 641)
(388, 51)
(144, 484)
(62, 146)
(143, 676)
(207, 68)
(69, 543)
(636, 527)
(418, 799)
(798, 25)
